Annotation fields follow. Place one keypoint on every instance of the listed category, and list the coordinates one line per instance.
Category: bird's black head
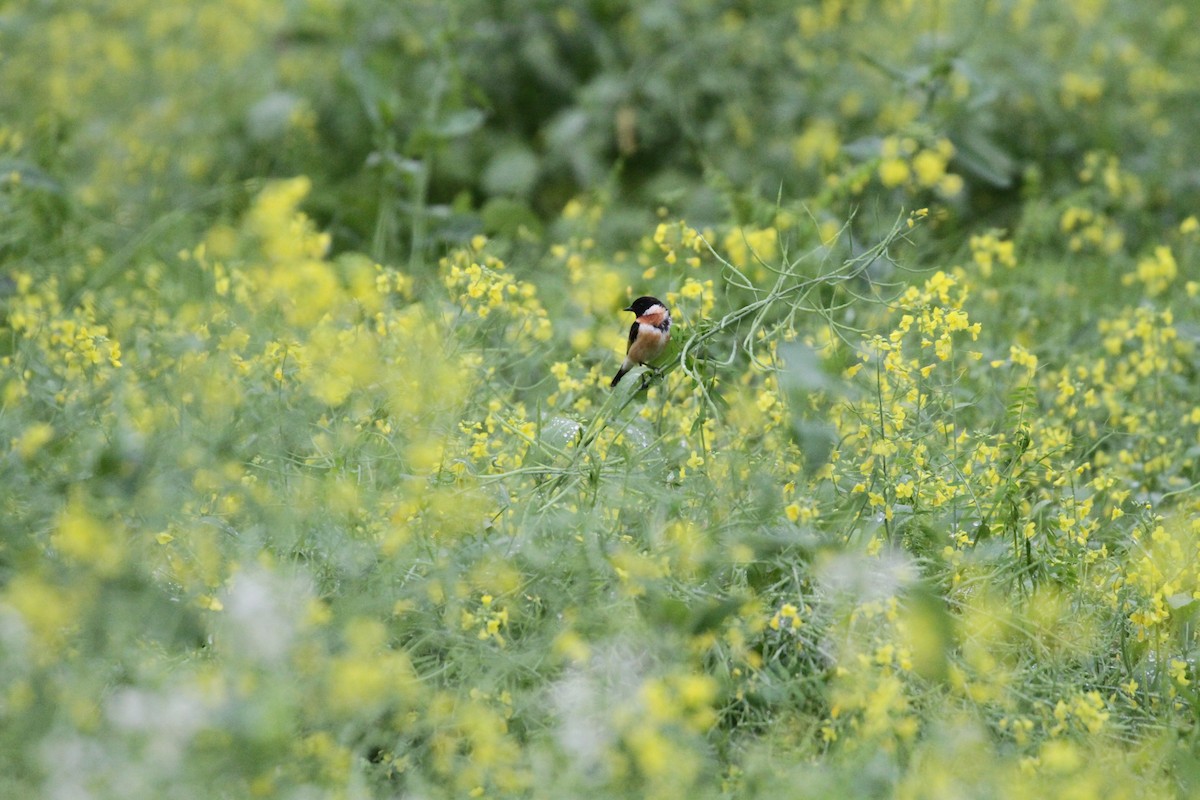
(644, 304)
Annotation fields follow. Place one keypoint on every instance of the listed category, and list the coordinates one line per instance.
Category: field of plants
(312, 484)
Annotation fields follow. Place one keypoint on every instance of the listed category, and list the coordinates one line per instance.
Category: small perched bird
(649, 335)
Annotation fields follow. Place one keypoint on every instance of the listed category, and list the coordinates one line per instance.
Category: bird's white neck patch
(656, 316)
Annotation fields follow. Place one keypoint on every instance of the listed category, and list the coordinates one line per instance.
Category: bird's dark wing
(633, 332)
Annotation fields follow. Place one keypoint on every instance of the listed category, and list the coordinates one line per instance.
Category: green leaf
(460, 123)
(512, 171)
(507, 217)
(983, 158)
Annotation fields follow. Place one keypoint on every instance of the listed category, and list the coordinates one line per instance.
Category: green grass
(312, 484)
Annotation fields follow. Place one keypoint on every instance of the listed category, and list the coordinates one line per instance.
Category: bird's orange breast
(655, 317)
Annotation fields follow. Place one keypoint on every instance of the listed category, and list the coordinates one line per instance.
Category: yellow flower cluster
(670, 238)
(81, 351)
(752, 249)
(1076, 89)
(787, 618)
(818, 145)
(988, 250)
(482, 286)
(1091, 230)
(489, 620)
(1155, 272)
(888, 432)
(1163, 576)
(904, 163)
(656, 728)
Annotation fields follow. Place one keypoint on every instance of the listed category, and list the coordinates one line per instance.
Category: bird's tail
(620, 374)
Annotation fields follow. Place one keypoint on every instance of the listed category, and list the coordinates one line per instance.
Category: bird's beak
(627, 309)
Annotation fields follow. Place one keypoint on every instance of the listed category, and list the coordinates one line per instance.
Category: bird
(649, 335)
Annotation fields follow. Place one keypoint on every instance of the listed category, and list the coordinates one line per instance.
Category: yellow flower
(893, 172)
(32, 440)
(1178, 669)
(86, 540)
(1076, 89)
(691, 289)
(818, 144)
(786, 618)
(929, 166)
(1156, 272)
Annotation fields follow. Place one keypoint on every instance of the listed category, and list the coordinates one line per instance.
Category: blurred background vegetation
(422, 124)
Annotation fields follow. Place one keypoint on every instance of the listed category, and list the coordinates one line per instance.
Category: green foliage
(313, 485)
